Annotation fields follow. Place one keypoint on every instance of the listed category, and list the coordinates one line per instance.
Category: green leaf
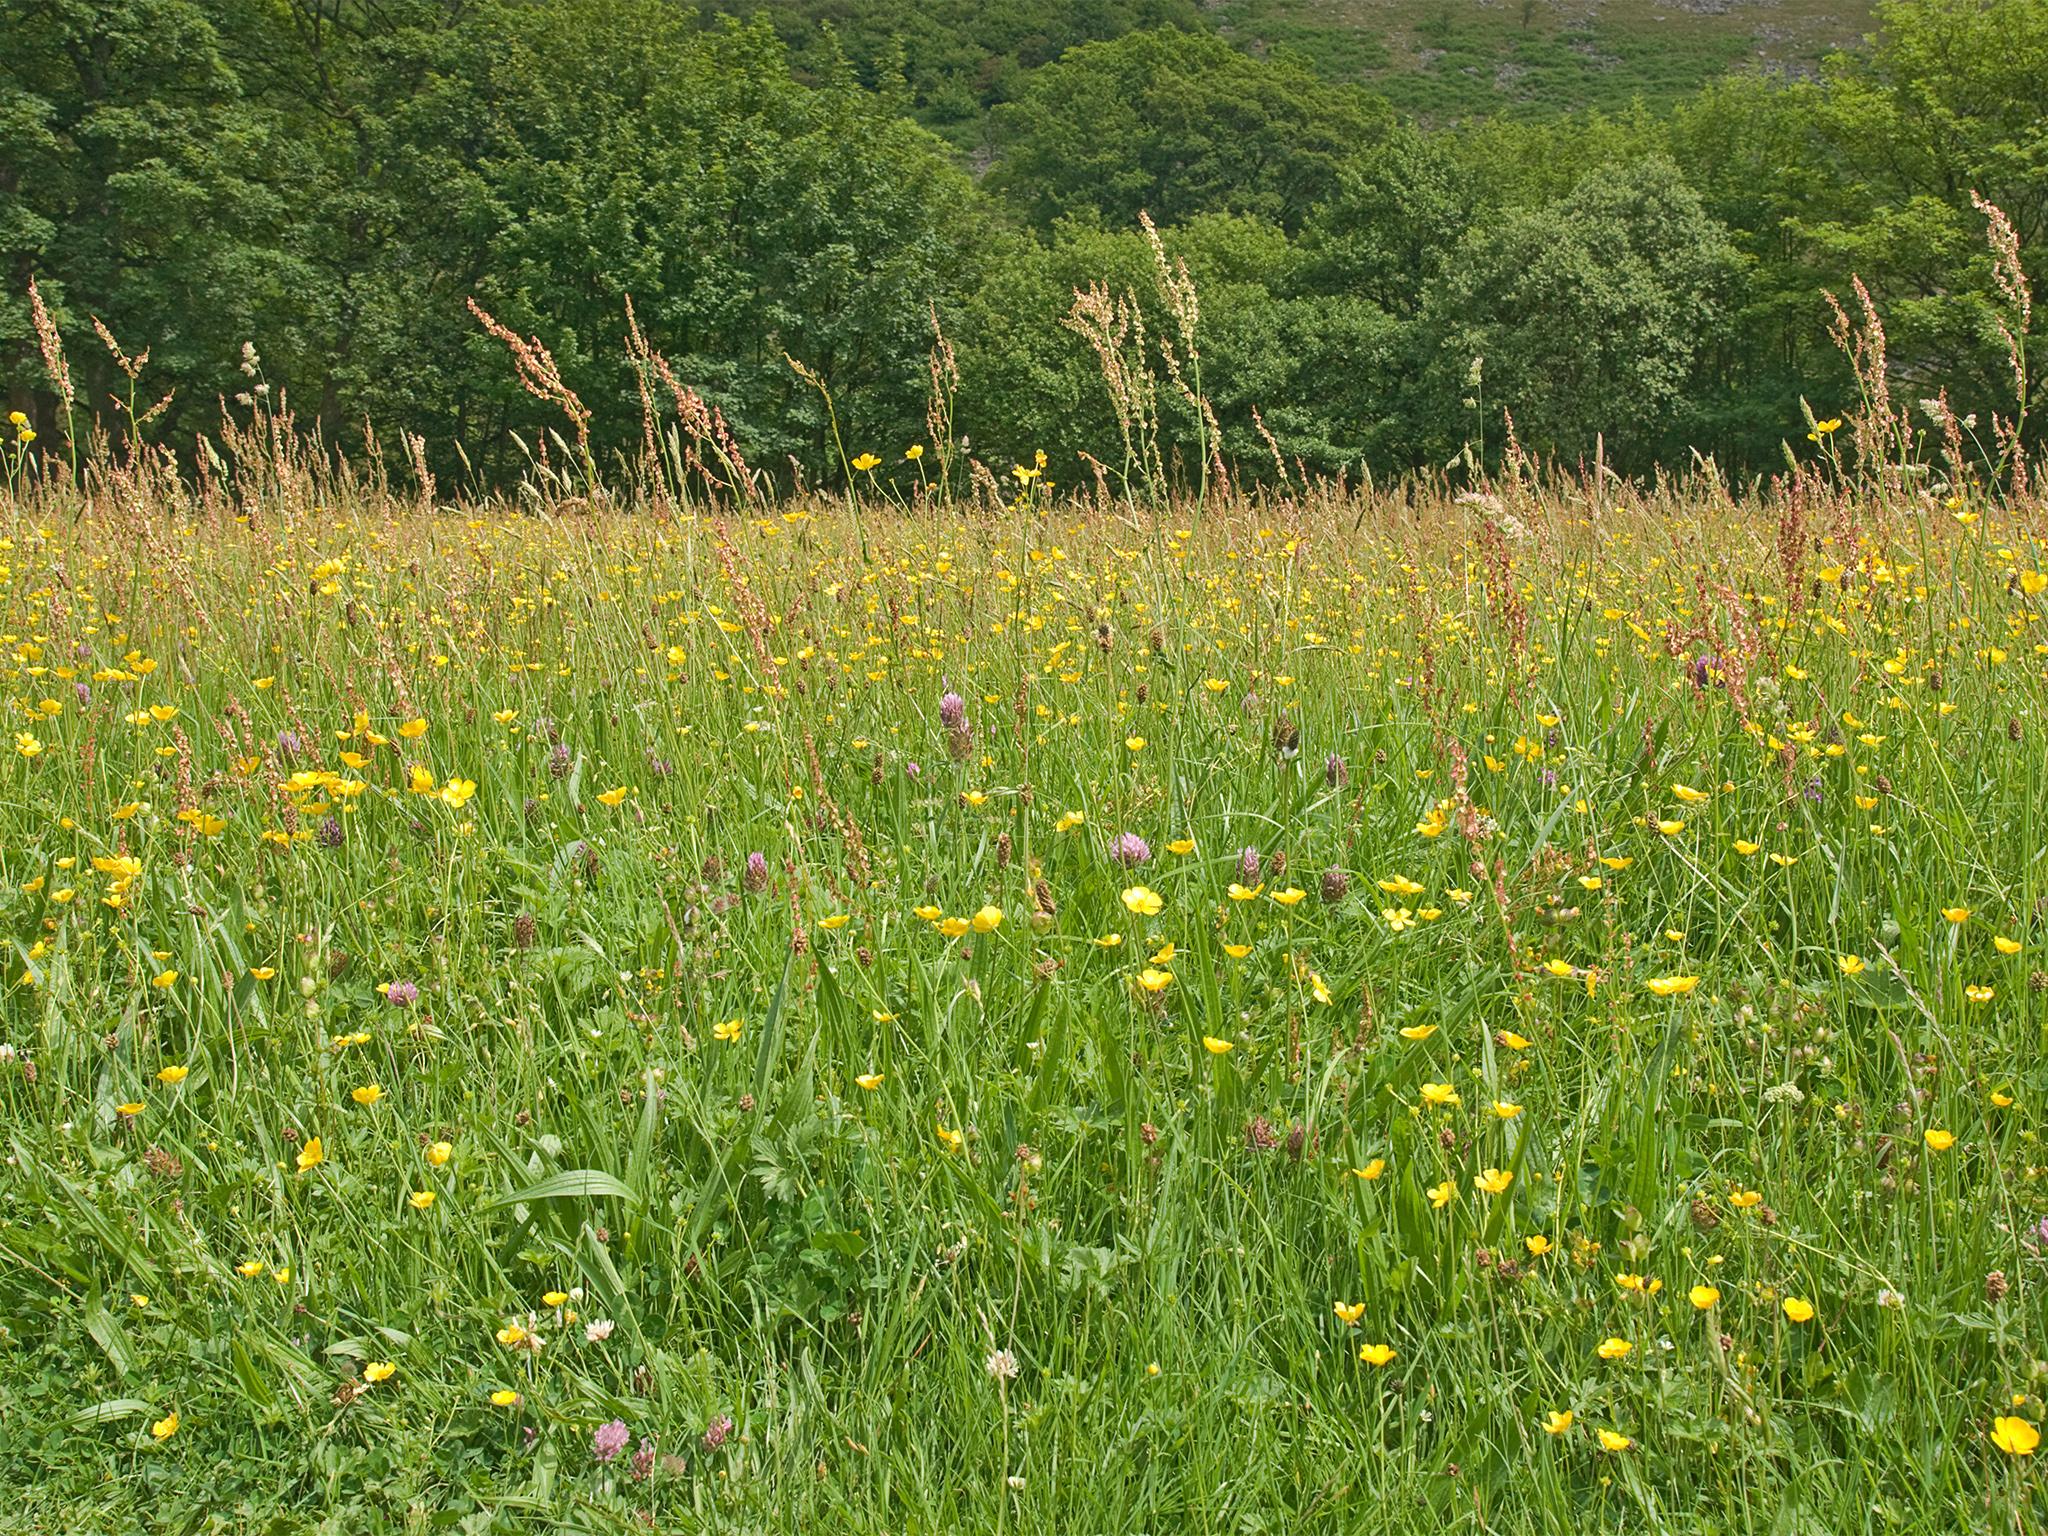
(106, 1333)
(771, 1030)
(570, 1184)
(113, 1408)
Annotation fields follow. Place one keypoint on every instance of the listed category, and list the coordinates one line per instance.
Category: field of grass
(1445, 62)
(1313, 1015)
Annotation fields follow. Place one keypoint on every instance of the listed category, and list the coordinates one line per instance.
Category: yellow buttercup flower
(2011, 1434)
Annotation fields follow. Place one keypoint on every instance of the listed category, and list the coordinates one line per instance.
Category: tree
(1321, 369)
(332, 181)
(141, 185)
(1175, 124)
(1591, 313)
(1947, 103)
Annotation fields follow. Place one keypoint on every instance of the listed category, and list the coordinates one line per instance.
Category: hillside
(1438, 60)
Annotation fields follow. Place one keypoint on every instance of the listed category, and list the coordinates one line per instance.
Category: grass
(1445, 63)
(906, 1193)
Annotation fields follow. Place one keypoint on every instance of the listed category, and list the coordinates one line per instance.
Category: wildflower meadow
(1039, 996)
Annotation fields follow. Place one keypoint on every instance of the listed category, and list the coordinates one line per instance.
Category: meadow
(1494, 1004)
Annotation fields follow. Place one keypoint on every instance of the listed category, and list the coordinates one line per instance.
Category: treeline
(333, 179)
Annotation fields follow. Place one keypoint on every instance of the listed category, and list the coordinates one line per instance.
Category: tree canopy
(331, 180)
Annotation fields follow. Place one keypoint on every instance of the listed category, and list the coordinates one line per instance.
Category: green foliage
(164, 212)
(549, 159)
(948, 62)
(333, 183)
(1590, 312)
(1318, 364)
(1173, 124)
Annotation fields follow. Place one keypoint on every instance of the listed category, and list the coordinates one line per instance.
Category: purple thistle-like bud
(952, 712)
(717, 1432)
(288, 744)
(609, 1439)
(401, 994)
(1335, 774)
(331, 834)
(1248, 862)
(756, 877)
(1130, 850)
(84, 694)
(643, 1459)
(912, 769)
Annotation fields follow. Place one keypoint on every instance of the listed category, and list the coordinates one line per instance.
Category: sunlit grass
(1352, 1014)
